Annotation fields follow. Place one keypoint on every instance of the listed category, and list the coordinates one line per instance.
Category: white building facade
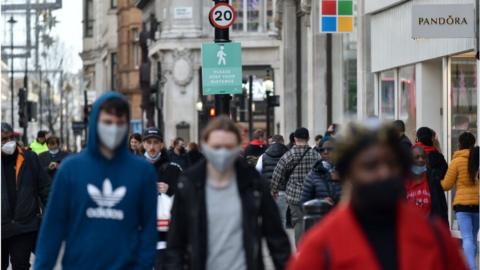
(99, 53)
(174, 51)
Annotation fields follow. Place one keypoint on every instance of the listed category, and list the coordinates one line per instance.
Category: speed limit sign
(222, 16)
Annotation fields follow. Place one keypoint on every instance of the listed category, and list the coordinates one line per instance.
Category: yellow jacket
(457, 175)
(38, 148)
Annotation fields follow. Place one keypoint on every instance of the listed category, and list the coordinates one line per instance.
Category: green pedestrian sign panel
(221, 68)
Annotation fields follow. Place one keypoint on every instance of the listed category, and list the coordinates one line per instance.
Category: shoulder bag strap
(289, 173)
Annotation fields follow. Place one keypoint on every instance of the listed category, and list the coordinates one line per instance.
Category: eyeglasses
(327, 149)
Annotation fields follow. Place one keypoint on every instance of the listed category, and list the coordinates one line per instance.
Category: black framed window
(113, 4)
(88, 19)
(113, 71)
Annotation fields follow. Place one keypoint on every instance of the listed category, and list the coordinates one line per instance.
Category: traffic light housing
(22, 107)
(31, 111)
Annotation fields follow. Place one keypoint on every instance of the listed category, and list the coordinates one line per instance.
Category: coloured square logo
(329, 7)
(345, 24)
(345, 7)
(329, 24)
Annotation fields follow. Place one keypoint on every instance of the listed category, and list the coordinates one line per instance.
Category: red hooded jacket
(338, 242)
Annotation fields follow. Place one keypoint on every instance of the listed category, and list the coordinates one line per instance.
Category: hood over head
(93, 144)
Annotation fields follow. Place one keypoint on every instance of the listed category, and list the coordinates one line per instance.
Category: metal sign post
(222, 16)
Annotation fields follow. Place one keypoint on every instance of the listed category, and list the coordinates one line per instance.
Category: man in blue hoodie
(103, 202)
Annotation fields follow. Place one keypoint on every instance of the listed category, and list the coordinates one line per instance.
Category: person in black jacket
(423, 187)
(322, 182)
(168, 174)
(194, 155)
(25, 187)
(51, 159)
(404, 140)
(223, 209)
(266, 164)
(178, 154)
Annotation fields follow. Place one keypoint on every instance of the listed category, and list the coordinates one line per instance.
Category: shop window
(387, 94)
(406, 99)
(463, 98)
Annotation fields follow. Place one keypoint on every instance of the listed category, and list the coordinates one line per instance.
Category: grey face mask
(418, 170)
(221, 159)
(111, 135)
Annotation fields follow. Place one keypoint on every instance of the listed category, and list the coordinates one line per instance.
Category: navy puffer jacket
(319, 185)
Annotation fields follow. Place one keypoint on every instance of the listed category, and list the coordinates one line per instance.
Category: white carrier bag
(164, 205)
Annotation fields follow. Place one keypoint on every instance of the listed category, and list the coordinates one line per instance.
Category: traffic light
(31, 111)
(86, 112)
(212, 112)
(22, 107)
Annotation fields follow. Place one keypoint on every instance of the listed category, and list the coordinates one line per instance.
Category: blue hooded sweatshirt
(104, 210)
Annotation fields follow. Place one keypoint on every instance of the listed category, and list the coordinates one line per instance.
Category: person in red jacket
(375, 228)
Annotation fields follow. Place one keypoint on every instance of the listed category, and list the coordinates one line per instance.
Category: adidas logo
(106, 199)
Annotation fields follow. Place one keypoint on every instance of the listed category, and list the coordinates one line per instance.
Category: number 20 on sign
(222, 16)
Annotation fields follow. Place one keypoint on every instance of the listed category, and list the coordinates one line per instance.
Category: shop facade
(424, 82)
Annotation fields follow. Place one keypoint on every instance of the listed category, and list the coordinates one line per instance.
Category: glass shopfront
(387, 95)
(406, 99)
(397, 97)
(462, 94)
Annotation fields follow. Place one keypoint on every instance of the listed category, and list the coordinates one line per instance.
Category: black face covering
(375, 208)
(377, 197)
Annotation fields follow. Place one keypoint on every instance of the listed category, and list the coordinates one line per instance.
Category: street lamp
(11, 21)
(268, 86)
(199, 106)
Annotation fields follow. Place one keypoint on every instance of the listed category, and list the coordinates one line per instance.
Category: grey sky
(69, 30)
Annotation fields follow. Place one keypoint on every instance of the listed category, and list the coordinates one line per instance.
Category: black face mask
(379, 196)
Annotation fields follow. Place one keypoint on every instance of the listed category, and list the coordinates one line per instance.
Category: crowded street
(240, 134)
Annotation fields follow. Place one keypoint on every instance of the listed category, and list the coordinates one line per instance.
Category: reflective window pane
(406, 99)
(387, 94)
(238, 7)
(253, 15)
(463, 98)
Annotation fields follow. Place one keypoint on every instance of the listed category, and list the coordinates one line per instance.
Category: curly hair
(356, 138)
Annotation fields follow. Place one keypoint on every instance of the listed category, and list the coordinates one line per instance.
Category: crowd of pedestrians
(133, 202)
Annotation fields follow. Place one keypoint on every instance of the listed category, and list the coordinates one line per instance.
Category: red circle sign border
(210, 15)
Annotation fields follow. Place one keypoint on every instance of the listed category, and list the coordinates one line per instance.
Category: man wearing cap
(39, 145)
(25, 187)
(290, 172)
(168, 174)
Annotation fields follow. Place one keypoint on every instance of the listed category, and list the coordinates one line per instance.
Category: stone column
(288, 100)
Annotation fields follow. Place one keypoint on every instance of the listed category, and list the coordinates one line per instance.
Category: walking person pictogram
(221, 56)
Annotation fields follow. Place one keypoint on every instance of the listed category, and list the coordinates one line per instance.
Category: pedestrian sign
(221, 68)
